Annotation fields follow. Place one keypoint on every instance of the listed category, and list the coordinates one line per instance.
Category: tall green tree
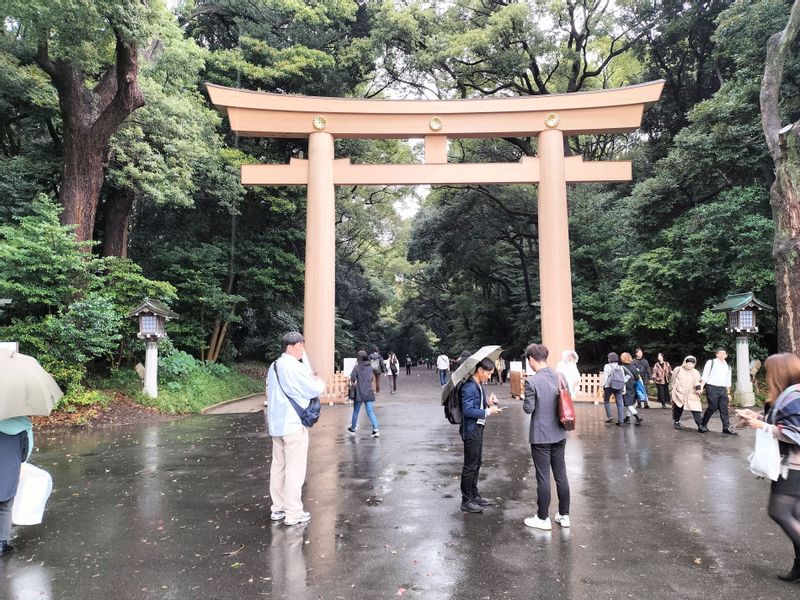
(90, 52)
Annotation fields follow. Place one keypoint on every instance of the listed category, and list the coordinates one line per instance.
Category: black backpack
(452, 405)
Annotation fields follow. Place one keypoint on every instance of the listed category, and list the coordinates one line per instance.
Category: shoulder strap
(294, 404)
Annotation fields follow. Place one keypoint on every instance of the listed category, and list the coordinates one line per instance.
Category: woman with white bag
(16, 443)
(781, 418)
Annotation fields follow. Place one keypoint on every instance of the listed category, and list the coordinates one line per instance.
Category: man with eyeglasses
(717, 383)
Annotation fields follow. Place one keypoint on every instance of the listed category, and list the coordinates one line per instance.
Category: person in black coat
(629, 397)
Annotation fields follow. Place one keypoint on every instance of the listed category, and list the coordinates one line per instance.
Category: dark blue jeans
(370, 413)
(442, 376)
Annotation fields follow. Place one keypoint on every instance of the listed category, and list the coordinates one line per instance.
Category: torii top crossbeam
(259, 114)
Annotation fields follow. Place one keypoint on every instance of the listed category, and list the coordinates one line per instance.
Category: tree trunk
(116, 219)
(784, 146)
(786, 245)
(91, 117)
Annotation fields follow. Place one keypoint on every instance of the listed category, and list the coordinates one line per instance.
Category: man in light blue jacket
(289, 377)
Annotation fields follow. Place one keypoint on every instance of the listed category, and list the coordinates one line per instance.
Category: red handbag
(566, 410)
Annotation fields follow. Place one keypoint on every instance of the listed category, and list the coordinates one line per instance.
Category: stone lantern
(152, 316)
(742, 310)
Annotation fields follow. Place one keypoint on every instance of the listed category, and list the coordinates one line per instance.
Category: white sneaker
(538, 523)
(562, 520)
(277, 515)
(375, 433)
(304, 517)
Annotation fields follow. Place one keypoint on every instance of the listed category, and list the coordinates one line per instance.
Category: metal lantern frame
(152, 316)
(742, 310)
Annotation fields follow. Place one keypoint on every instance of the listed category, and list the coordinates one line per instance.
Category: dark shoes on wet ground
(6, 548)
(471, 506)
(794, 574)
(729, 432)
(676, 425)
(482, 501)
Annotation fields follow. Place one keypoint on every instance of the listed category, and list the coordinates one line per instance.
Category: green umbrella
(25, 387)
(467, 368)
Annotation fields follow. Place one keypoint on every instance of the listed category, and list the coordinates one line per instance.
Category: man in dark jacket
(644, 370)
(378, 368)
(547, 438)
(475, 409)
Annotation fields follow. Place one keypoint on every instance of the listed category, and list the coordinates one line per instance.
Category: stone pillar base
(744, 399)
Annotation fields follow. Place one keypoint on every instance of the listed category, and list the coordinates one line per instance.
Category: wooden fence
(591, 388)
(336, 389)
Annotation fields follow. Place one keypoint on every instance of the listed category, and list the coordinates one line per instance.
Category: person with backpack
(685, 392)
(287, 473)
(641, 364)
(361, 378)
(547, 438)
(475, 409)
(378, 368)
(408, 365)
(613, 385)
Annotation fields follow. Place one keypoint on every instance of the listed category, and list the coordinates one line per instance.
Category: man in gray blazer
(547, 438)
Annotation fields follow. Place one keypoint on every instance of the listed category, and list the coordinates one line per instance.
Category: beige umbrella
(25, 387)
(467, 368)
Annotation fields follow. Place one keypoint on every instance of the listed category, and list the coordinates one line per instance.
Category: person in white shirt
(717, 383)
(289, 376)
(443, 365)
(568, 367)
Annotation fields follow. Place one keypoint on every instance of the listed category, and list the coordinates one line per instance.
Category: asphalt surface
(180, 510)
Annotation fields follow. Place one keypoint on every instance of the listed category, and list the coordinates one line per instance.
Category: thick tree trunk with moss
(91, 116)
(116, 221)
(784, 145)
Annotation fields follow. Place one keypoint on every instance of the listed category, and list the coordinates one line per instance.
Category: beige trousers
(287, 472)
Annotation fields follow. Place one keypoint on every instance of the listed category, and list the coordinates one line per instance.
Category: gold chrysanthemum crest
(435, 123)
(552, 119)
(319, 122)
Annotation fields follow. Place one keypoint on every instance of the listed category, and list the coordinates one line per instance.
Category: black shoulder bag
(310, 414)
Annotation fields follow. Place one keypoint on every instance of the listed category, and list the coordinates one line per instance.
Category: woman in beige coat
(686, 386)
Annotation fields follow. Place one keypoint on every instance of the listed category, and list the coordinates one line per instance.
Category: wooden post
(320, 276)
(555, 274)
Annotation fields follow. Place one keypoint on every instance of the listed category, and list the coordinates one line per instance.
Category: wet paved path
(179, 510)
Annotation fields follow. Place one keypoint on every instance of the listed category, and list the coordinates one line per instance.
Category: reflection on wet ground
(180, 510)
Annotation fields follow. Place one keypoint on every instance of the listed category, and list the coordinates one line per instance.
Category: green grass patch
(189, 394)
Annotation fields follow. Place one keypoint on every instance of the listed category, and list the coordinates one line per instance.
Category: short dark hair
(290, 339)
(362, 356)
(487, 364)
(537, 352)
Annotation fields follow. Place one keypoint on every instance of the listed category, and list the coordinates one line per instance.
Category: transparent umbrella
(25, 387)
(467, 368)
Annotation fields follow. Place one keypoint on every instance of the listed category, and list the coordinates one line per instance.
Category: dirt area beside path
(121, 411)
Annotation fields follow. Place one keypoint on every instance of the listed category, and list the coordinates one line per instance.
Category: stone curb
(220, 404)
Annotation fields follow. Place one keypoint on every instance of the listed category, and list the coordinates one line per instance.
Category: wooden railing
(336, 389)
(591, 387)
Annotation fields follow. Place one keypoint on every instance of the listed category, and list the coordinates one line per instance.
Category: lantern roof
(155, 307)
(734, 302)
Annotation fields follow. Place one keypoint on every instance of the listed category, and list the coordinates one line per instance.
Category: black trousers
(545, 457)
(408, 369)
(677, 413)
(394, 382)
(717, 401)
(663, 393)
(473, 456)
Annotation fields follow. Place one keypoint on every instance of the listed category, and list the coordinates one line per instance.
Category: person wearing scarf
(782, 419)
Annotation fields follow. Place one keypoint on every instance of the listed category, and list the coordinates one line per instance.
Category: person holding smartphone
(781, 418)
(475, 409)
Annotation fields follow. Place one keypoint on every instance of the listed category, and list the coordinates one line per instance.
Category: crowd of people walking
(293, 407)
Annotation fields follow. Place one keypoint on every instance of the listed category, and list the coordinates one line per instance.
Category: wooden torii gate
(550, 118)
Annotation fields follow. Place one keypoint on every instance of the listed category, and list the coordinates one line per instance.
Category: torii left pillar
(319, 312)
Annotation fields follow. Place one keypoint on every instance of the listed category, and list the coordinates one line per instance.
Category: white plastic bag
(34, 489)
(765, 460)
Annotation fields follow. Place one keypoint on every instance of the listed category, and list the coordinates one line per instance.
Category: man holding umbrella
(475, 370)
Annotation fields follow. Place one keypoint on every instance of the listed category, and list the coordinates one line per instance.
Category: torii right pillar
(555, 272)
